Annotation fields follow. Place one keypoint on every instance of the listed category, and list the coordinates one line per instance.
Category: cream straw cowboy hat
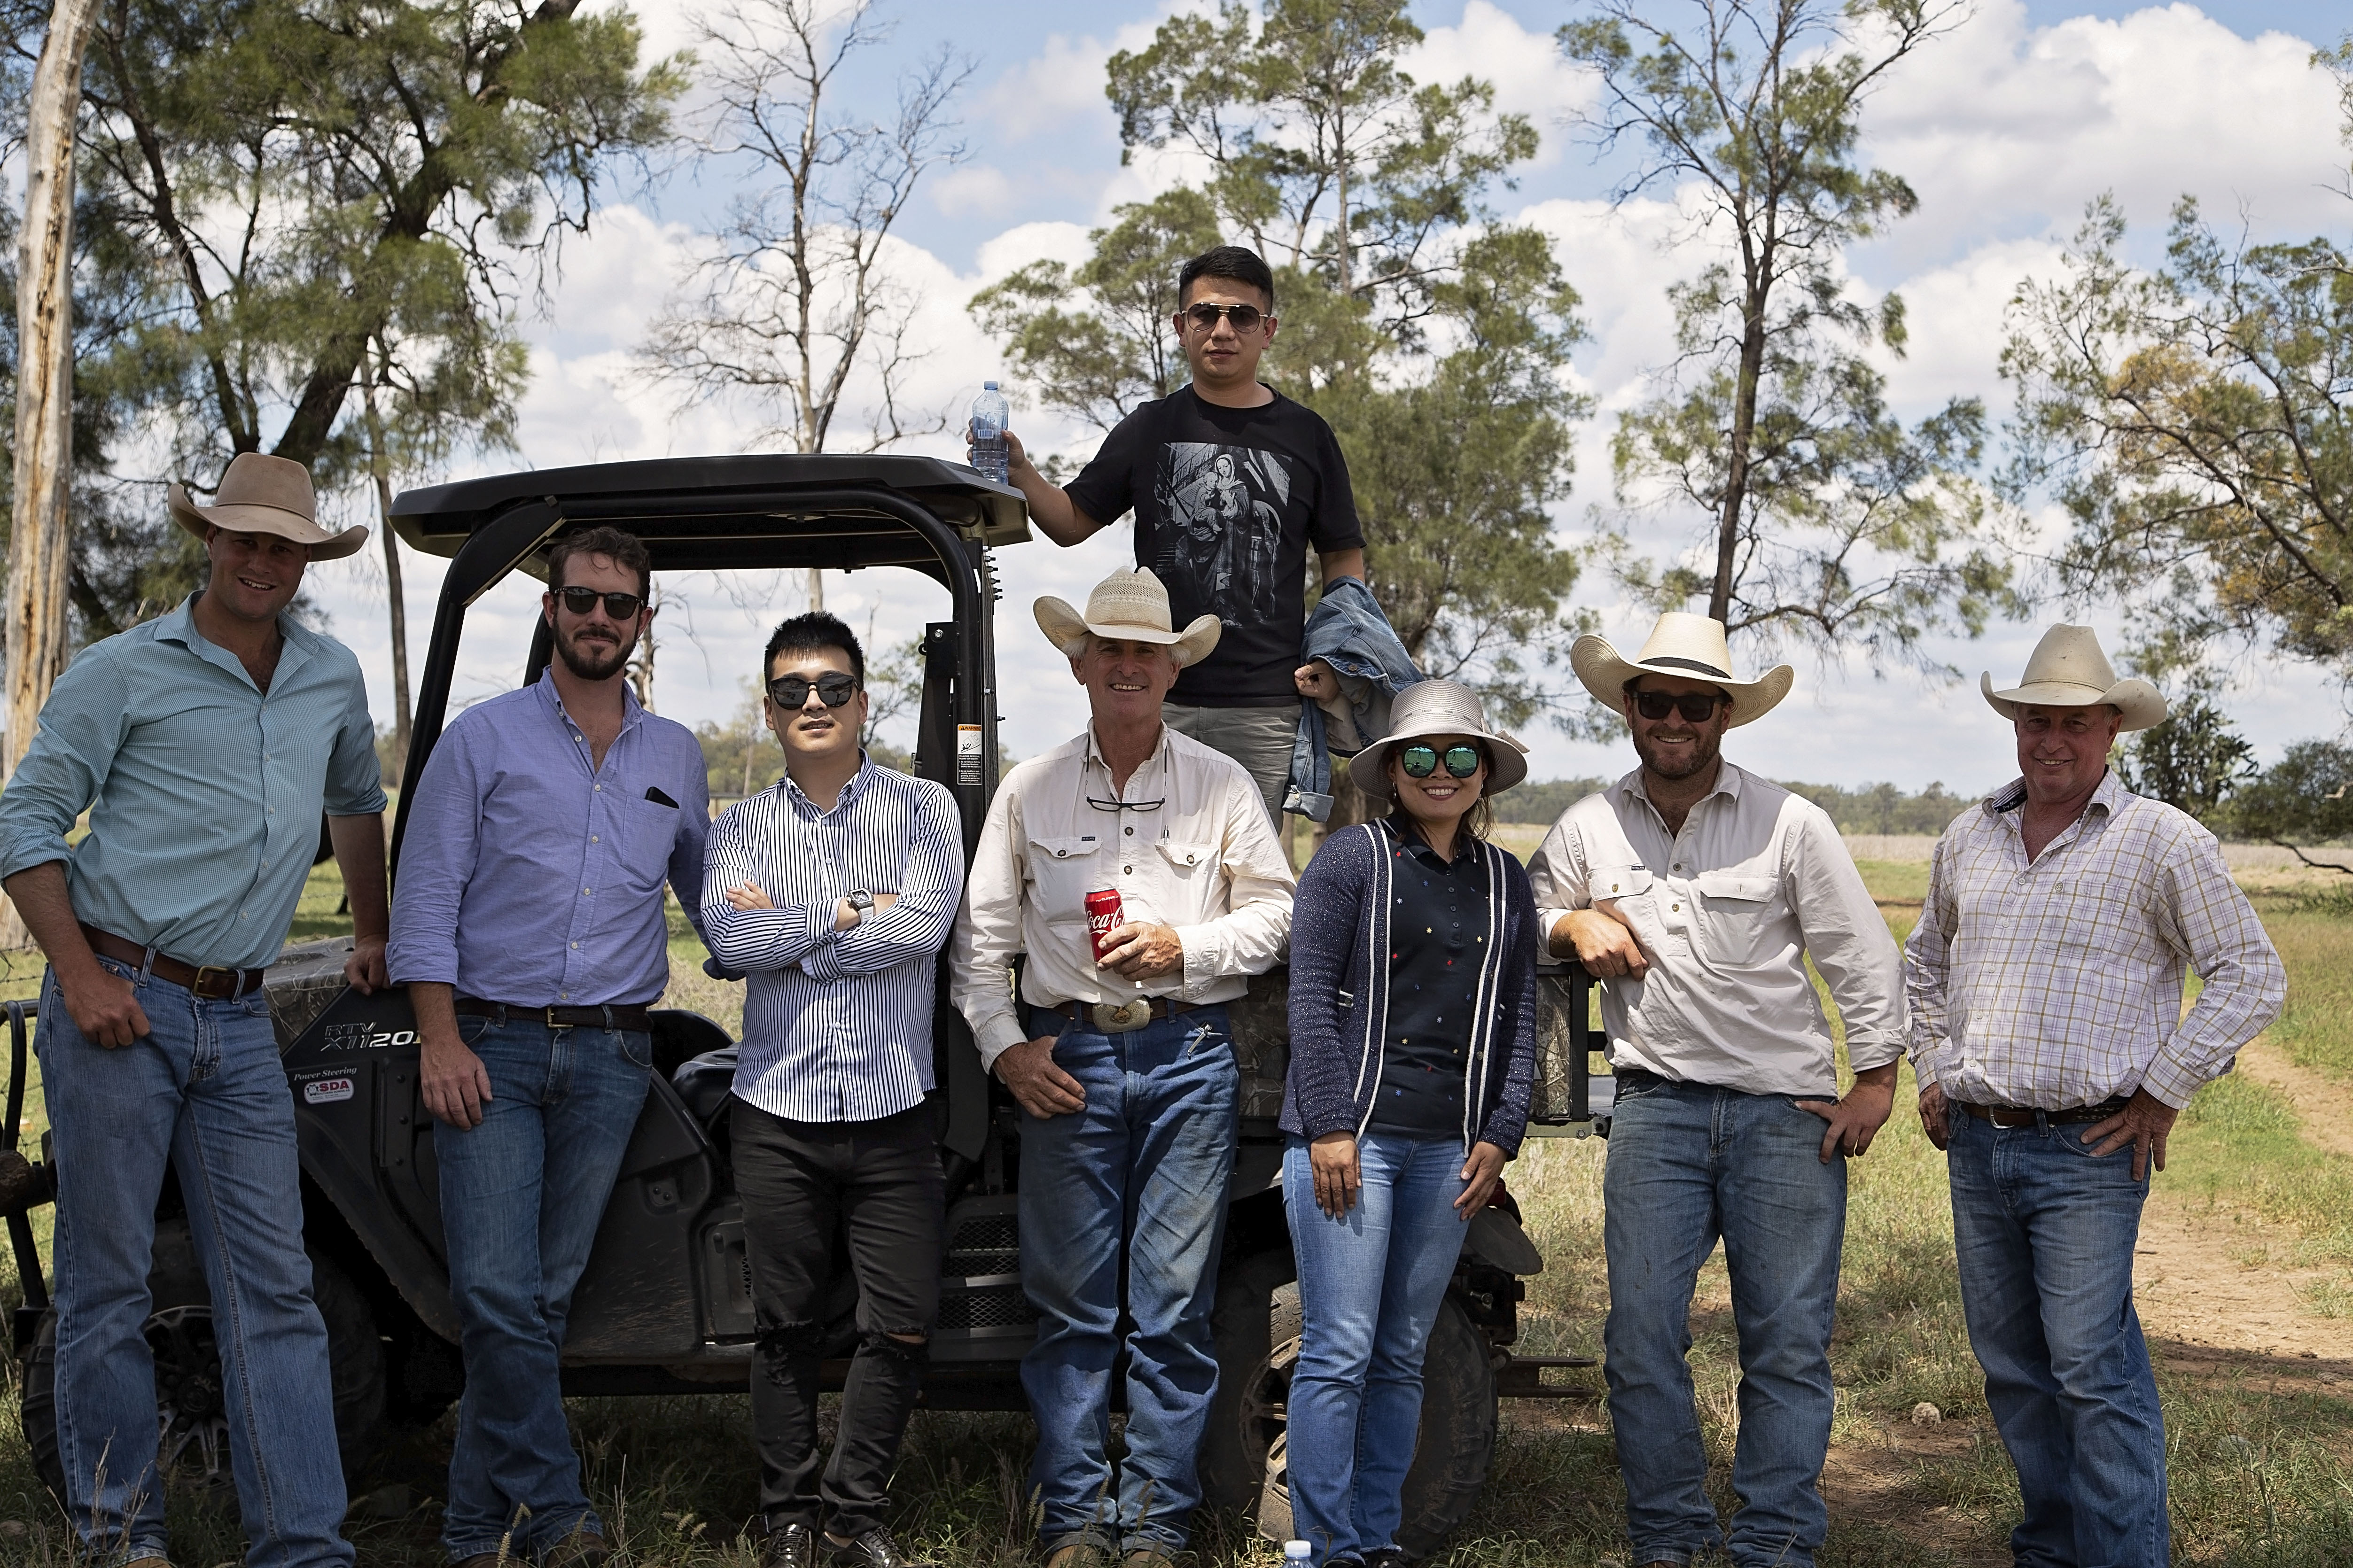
(1681, 644)
(1127, 607)
(2067, 669)
(1438, 708)
(261, 494)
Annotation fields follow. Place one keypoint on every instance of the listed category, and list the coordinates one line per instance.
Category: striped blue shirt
(836, 1025)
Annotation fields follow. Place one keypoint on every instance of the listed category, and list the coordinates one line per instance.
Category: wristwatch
(860, 901)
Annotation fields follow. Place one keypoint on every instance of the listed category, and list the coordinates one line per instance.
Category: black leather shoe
(875, 1549)
(1388, 1557)
(789, 1546)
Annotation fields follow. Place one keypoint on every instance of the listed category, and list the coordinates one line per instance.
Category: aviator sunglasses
(1245, 318)
(1696, 707)
(581, 601)
(1420, 761)
(792, 690)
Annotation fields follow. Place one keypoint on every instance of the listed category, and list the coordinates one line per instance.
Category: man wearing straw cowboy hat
(2049, 1039)
(1121, 1058)
(1697, 891)
(204, 745)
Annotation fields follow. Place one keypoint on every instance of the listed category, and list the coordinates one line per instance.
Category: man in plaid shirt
(2047, 1034)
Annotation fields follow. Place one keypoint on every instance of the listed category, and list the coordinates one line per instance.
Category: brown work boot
(581, 1549)
(1147, 1557)
(1083, 1553)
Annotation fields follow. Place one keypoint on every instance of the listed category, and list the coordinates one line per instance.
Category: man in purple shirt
(528, 926)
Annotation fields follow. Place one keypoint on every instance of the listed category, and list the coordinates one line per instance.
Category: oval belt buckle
(1123, 1017)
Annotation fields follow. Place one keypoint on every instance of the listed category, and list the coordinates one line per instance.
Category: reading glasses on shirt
(1204, 317)
(581, 601)
(1696, 707)
(1420, 761)
(792, 690)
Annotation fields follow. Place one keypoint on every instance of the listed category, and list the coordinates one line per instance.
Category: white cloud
(1529, 73)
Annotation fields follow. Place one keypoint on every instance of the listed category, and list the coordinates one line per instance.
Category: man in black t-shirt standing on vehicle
(1230, 482)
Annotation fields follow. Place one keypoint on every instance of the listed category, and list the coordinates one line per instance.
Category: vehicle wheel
(1258, 1309)
(1451, 1455)
(193, 1428)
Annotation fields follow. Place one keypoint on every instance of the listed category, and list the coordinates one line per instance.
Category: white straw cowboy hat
(2067, 669)
(1438, 708)
(1681, 644)
(261, 494)
(1127, 607)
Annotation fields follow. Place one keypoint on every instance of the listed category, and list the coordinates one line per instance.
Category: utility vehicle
(666, 1303)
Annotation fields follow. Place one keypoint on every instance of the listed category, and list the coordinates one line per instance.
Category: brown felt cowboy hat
(1681, 644)
(261, 494)
(1127, 607)
(2067, 669)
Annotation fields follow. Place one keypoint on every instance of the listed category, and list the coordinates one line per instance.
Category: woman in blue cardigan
(1413, 979)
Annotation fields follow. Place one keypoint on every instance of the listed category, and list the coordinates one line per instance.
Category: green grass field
(2259, 1452)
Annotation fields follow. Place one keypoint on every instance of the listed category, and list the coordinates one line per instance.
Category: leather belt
(213, 984)
(632, 1015)
(1123, 1017)
(2017, 1116)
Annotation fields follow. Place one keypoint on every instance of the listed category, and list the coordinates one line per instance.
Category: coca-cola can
(1103, 917)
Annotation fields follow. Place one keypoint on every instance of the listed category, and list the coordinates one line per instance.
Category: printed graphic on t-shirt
(1223, 507)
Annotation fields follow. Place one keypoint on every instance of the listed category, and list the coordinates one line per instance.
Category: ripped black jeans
(807, 1186)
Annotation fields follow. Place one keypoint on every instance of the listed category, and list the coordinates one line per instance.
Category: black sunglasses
(1696, 707)
(1245, 318)
(792, 690)
(1420, 761)
(581, 601)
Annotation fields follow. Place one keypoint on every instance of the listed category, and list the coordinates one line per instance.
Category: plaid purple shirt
(2057, 984)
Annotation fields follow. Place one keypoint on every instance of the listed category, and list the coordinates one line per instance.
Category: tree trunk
(1744, 437)
(380, 464)
(35, 614)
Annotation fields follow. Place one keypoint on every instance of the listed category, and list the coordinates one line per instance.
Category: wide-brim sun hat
(1438, 708)
(1129, 606)
(262, 494)
(1681, 644)
(2067, 669)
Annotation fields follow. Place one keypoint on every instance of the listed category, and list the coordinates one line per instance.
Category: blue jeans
(2045, 1231)
(1688, 1164)
(1136, 1176)
(203, 1091)
(522, 1197)
(1370, 1288)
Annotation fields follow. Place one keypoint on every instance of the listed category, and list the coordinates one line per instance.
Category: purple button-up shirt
(531, 876)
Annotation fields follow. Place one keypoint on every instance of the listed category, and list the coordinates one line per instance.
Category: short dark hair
(622, 548)
(1230, 262)
(809, 632)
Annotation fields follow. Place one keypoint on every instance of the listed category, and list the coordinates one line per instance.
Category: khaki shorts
(1260, 739)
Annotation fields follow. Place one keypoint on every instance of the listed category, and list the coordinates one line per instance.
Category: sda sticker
(327, 1091)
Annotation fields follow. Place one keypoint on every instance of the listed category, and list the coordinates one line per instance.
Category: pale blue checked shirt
(836, 1025)
(204, 791)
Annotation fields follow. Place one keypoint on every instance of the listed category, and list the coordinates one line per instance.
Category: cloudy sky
(2005, 128)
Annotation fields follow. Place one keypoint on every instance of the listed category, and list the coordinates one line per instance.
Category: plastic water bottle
(1296, 1553)
(989, 452)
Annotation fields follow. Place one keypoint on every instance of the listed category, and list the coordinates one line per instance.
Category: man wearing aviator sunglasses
(1697, 891)
(1232, 484)
(528, 926)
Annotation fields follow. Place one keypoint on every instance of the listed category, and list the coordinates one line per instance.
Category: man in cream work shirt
(1124, 1065)
(1697, 891)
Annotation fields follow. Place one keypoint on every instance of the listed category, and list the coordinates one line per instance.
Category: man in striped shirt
(835, 888)
(2047, 1033)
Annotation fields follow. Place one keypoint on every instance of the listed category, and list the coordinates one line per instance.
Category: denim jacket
(1348, 632)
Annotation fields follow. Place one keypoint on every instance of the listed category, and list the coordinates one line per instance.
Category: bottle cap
(1297, 1551)
(988, 386)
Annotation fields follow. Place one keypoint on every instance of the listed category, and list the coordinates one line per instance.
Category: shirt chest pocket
(648, 831)
(1627, 886)
(1739, 919)
(1063, 871)
(1192, 868)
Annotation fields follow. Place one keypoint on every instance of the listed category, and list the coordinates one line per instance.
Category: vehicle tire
(1244, 1461)
(194, 1446)
(1257, 1310)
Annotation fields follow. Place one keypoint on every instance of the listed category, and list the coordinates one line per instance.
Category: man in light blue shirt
(204, 745)
(530, 932)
